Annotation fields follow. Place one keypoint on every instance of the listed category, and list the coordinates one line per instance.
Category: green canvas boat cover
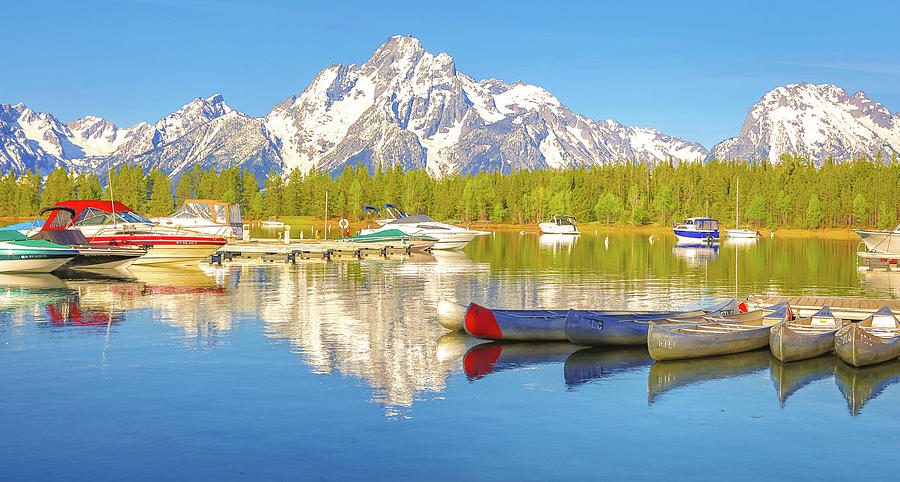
(19, 239)
(386, 235)
(12, 235)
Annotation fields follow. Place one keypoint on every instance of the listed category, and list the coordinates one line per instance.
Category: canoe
(805, 338)
(873, 340)
(668, 341)
(597, 329)
(550, 325)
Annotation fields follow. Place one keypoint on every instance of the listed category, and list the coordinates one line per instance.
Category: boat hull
(35, 263)
(881, 241)
(668, 343)
(741, 233)
(694, 236)
(790, 345)
(553, 228)
(858, 347)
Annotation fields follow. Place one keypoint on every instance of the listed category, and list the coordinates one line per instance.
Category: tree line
(790, 193)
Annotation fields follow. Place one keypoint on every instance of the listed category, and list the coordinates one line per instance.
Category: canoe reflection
(585, 366)
(792, 376)
(486, 358)
(859, 385)
(668, 375)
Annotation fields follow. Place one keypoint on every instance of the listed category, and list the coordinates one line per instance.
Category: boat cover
(36, 224)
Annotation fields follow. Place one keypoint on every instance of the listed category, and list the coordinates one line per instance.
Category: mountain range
(405, 106)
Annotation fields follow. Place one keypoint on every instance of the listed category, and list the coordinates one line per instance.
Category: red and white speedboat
(111, 223)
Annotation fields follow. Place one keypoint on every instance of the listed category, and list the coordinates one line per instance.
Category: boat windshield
(418, 218)
(131, 217)
(193, 210)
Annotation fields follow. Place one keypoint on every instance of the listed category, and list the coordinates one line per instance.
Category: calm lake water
(340, 370)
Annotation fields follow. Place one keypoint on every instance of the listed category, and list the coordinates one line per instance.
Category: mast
(737, 205)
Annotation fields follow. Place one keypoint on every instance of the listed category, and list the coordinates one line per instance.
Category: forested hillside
(791, 193)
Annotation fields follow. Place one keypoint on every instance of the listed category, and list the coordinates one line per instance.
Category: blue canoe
(550, 325)
(596, 329)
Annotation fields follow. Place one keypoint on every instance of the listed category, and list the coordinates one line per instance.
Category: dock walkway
(313, 248)
(848, 308)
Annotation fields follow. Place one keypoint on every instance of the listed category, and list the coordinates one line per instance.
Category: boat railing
(483, 226)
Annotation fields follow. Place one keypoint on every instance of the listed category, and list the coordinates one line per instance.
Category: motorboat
(697, 229)
(272, 223)
(218, 218)
(393, 238)
(560, 224)
(448, 236)
(881, 241)
(89, 255)
(111, 223)
(21, 254)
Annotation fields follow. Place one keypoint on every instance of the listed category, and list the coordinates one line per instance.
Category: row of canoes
(720, 329)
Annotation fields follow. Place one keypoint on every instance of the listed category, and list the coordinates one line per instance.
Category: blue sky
(689, 69)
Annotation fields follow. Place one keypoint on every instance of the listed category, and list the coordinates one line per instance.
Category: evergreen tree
(60, 186)
(814, 212)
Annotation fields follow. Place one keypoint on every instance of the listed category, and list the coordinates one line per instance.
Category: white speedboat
(111, 223)
(448, 236)
(881, 241)
(218, 218)
(560, 224)
(20, 254)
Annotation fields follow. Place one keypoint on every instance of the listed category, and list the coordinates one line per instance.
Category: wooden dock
(313, 248)
(848, 308)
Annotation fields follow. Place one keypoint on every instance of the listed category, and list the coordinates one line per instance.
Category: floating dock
(313, 248)
(873, 261)
(845, 307)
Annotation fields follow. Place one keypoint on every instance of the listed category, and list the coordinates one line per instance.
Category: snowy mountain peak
(816, 122)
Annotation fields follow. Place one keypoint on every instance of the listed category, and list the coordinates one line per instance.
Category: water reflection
(669, 375)
(792, 376)
(697, 254)
(860, 385)
(371, 319)
(555, 242)
(487, 358)
(594, 364)
(885, 283)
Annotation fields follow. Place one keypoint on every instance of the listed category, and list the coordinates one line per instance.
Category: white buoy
(451, 315)
(521, 233)
(651, 239)
(606, 242)
(772, 235)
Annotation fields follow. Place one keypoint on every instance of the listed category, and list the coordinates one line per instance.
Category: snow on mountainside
(814, 121)
(409, 107)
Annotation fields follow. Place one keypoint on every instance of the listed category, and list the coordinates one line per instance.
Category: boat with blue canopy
(697, 229)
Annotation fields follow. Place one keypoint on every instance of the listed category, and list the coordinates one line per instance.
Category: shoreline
(586, 228)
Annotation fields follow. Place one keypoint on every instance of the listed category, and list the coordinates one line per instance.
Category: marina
(358, 340)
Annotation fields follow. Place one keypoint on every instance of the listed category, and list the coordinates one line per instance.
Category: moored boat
(486, 323)
(560, 224)
(111, 223)
(448, 236)
(697, 229)
(881, 241)
(272, 223)
(91, 256)
(208, 216)
(806, 337)
(668, 341)
(21, 254)
(393, 238)
(873, 340)
(742, 233)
